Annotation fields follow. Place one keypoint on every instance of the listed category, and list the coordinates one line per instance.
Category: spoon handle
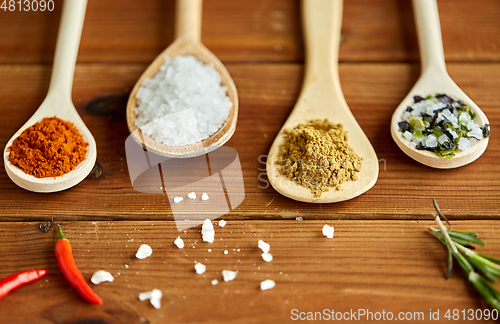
(188, 19)
(429, 34)
(68, 41)
(322, 20)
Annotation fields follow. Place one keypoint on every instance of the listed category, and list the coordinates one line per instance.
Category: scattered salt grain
(192, 195)
(144, 251)
(154, 297)
(229, 275)
(328, 231)
(226, 252)
(299, 218)
(207, 231)
(179, 242)
(183, 103)
(178, 199)
(222, 223)
(214, 282)
(204, 196)
(267, 284)
(200, 268)
(101, 276)
(268, 257)
(264, 246)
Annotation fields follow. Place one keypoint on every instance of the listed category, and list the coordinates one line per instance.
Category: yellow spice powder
(316, 156)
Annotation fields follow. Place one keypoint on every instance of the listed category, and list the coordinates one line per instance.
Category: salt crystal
(178, 199)
(200, 268)
(452, 132)
(464, 118)
(183, 103)
(463, 144)
(207, 231)
(204, 196)
(443, 139)
(299, 218)
(328, 231)
(192, 195)
(267, 257)
(101, 276)
(267, 284)
(144, 251)
(264, 246)
(229, 275)
(154, 297)
(408, 135)
(226, 252)
(431, 141)
(222, 223)
(214, 282)
(179, 242)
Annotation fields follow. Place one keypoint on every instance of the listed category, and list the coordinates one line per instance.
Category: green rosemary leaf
(450, 263)
(466, 237)
(483, 269)
(492, 259)
(485, 289)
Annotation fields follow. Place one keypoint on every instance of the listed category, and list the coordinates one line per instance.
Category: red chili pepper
(64, 254)
(20, 279)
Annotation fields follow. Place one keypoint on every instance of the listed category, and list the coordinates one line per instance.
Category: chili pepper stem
(61, 235)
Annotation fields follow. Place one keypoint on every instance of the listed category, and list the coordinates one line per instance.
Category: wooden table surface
(381, 257)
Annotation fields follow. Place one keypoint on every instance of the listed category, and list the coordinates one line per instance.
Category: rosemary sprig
(459, 246)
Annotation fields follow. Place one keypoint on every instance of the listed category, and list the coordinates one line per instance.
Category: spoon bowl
(187, 42)
(58, 103)
(321, 97)
(434, 79)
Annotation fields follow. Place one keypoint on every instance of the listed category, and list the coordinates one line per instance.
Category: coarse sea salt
(328, 231)
(268, 257)
(144, 251)
(179, 242)
(200, 268)
(229, 275)
(264, 246)
(214, 282)
(154, 297)
(178, 199)
(267, 284)
(207, 231)
(192, 195)
(183, 103)
(101, 276)
(204, 196)
(222, 223)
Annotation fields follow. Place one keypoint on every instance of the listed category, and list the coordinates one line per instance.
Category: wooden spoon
(187, 42)
(321, 97)
(434, 79)
(58, 103)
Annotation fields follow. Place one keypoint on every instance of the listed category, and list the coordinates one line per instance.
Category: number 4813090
(27, 5)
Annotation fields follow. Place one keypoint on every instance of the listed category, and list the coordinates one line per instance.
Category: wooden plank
(367, 265)
(252, 31)
(267, 94)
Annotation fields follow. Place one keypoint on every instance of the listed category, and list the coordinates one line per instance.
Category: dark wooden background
(381, 256)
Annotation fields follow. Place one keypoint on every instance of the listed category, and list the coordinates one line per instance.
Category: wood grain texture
(267, 94)
(253, 31)
(368, 264)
